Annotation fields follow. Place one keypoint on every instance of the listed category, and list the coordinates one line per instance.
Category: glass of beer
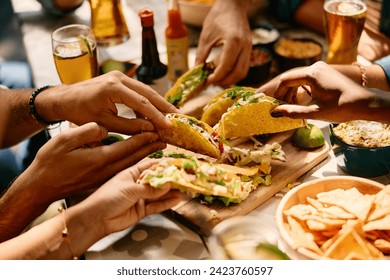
(108, 22)
(74, 52)
(344, 22)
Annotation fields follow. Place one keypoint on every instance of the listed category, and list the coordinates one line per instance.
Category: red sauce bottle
(176, 35)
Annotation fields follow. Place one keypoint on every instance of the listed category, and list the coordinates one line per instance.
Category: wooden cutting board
(203, 217)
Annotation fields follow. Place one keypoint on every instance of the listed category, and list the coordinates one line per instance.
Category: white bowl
(194, 12)
(309, 189)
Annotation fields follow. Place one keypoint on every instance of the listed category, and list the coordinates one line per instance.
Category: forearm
(20, 205)
(376, 77)
(305, 16)
(16, 121)
(45, 241)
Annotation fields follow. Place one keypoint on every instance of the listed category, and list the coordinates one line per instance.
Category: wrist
(46, 105)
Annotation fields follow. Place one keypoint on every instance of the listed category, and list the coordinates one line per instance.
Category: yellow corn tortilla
(189, 84)
(220, 103)
(186, 136)
(255, 118)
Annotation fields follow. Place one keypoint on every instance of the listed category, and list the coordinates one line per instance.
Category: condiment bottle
(176, 35)
(151, 71)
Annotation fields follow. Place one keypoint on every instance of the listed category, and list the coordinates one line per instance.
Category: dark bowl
(260, 68)
(265, 35)
(296, 52)
(359, 161)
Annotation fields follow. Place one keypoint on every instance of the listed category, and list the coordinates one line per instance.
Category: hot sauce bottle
(176, 35)
(151, 70)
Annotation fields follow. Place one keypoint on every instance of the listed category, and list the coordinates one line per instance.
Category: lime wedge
(85, 45)
(308, 137)
(267, 251)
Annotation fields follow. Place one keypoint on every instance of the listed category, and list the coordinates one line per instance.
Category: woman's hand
(121, 202)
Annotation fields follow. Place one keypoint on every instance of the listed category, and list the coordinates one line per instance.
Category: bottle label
(177, 51)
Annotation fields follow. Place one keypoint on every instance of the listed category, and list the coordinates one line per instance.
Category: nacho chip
(382, 245)
(301, 238)
(351, 200)
(381, 204)
(382, 224)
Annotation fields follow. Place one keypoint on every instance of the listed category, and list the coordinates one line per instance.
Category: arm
(88, 101)
(227, 25)
(118, 204)
(72, 162)
(337, 98)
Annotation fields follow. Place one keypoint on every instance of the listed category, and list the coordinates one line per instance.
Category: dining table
(158, 236)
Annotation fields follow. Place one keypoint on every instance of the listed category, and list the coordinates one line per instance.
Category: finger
(80, 136)
(134, 157)
(128, 126)
(161, 205)
(146, 101)
(296, 111)
(226, 64)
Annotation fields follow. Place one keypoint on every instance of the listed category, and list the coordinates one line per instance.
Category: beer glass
(74, 52)
(108, 22)
(344, 22)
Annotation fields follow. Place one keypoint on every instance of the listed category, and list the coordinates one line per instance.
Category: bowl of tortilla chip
(336, 217)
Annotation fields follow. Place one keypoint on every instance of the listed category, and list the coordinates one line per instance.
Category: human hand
(121, 202)
(336, 97)
(226, 25)
(73, 161)
(94, 101)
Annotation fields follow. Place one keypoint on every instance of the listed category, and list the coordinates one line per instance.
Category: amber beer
(108, 22)
(344, 22)
(75, 54)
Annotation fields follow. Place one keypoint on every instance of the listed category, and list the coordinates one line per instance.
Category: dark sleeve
(384, 62)
(50, 8)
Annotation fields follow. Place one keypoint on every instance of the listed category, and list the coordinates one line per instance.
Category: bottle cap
(146, 16)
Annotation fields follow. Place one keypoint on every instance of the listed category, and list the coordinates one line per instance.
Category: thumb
(82, 135)
(295, 111)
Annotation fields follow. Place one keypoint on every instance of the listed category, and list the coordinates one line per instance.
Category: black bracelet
(34, 112)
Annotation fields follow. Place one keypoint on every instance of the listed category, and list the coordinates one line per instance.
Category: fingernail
(277, 114)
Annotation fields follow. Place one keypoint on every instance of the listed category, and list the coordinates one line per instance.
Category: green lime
(267, 251)
(111, 65)
(85, 45)
(112, 138)
(308, 137)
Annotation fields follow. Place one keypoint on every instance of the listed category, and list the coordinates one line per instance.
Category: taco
(251, 115)
(219, 104)
(192, 134)
(189, 84)
(201, 178)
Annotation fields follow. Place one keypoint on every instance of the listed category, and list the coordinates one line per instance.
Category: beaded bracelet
(363, 73)
(33, 111)
(65, 233)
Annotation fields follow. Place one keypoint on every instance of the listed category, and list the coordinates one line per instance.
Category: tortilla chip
(381, 204)
(253, 119)
(301, 238)
(382, 224)
(351, 200)
(382, 245)
(220, 103)
(183, 135)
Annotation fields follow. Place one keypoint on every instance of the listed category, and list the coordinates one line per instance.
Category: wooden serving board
(203, 217)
